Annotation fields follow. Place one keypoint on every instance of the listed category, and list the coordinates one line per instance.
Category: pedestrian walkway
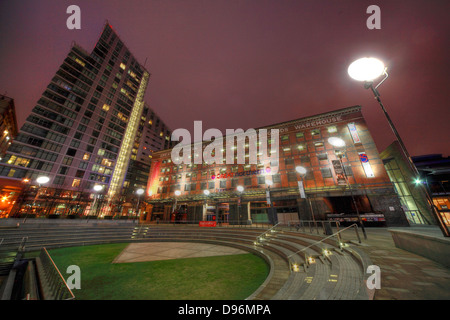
(405, 275)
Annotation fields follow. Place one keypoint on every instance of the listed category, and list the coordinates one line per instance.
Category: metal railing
(297, 224)
(261, 236)
(339, 242)
(54, 284)
(228, 223)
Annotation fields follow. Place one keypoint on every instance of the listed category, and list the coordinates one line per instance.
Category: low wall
(431, 246)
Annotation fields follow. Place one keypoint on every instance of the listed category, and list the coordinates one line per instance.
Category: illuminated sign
(354, 132)
(366, 165)
(239, 174)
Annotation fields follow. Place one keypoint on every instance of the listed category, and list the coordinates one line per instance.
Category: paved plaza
(152, 251)
(405, 275)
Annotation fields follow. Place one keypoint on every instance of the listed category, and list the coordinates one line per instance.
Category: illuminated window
(80, 62)
(76, 182)
(86, 156)
(315, 132)
(106, 107)
(332, 129)
(299, 135)
(122, 66)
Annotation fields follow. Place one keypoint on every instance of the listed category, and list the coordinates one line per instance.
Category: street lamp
(139, 192)
(367, 70)
(240, 189)
(269, 183)
(302, 171)
(339, 143)
(177, 194)
(97, 188)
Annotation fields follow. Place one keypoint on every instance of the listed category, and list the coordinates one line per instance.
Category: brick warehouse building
(301, 142)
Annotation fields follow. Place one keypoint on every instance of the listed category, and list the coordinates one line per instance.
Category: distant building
(10, 189)
(8, 123)
(302, 142)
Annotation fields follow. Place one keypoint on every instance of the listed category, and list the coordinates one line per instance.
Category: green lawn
(231, 277)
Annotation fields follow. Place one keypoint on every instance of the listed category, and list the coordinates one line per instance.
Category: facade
(153, 135)
(9, 189)
(302, 142)
(434, 171)
(411, 195)
(83, 131)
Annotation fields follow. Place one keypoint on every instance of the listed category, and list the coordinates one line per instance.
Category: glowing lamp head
(269, 183)
(98, 187)
(177, 192)
(300, 169)
(42, 180)
(140, 191)
(240, 188)
(206, 192)
(366, 69)
(336, 142)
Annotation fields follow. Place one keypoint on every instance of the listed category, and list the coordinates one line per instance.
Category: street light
(269, 183)
(240, 189)
(367, 70)
(339, 143)
(97, 188)
(302, 171)
(139, 192)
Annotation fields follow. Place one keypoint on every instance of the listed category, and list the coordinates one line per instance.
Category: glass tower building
(83, 131)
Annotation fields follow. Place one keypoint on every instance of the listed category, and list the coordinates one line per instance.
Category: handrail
(46, 259)
(257, 238)
(334, 234)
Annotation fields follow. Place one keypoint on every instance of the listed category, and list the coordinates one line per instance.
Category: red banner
(207, 224)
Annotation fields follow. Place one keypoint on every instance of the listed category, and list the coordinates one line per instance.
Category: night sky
(250, 63)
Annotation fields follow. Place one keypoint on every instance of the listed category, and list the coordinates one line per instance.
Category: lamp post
(40, 180)
(339, 143)
(139, 192)
(97, 188)
(302, 171)
(240, 189)
(269, 183)
(367, 70)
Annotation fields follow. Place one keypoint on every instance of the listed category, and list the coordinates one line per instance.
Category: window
(276, 178)
(79, 174)
(247, 181)
(326, 172)
(59, 180)
(86, 156)
(76, 182)
(332, 129)
(223, 183)
(71, 152)
(288, 161)
(315, 132)
(322, 156)
(261, 180)
(63, 170)
(211, 185)
(299, 135)
(292, 176)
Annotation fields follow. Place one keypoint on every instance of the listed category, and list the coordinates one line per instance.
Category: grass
(231, 277)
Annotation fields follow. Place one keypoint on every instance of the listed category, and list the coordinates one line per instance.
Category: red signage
(207, 224)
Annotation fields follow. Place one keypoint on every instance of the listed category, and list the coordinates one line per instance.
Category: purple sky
(250, 63)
